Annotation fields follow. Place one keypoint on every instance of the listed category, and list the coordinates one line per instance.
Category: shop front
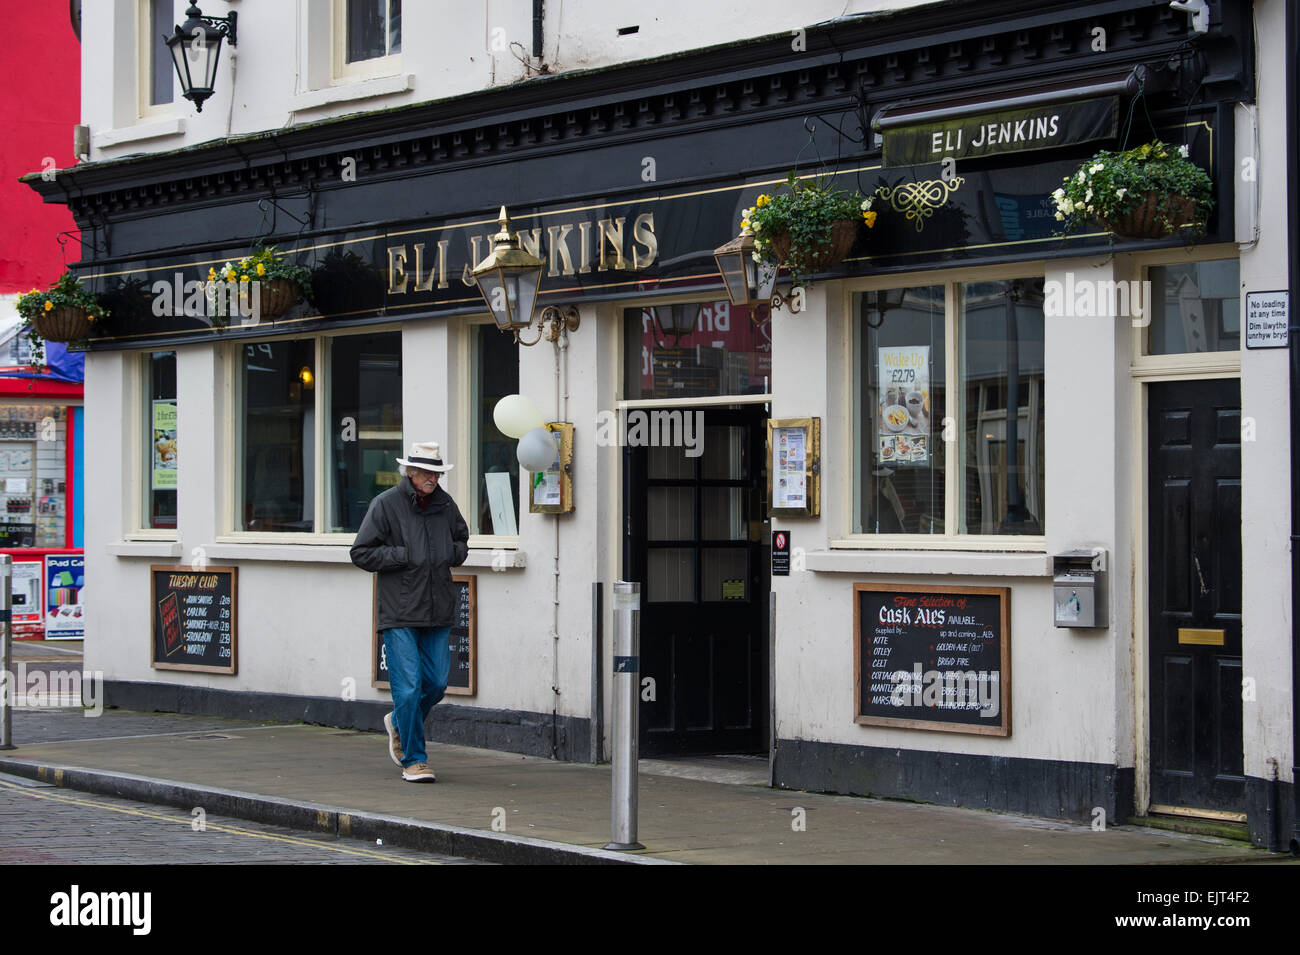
(968, 527)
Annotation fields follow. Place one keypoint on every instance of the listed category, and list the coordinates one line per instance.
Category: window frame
(1216, 362)
(234, 470)
(146, 37)
(951, 281)
(135, 446)
(341, 71)
(466, 480)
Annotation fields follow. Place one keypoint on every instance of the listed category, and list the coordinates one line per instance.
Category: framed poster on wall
(794, 449)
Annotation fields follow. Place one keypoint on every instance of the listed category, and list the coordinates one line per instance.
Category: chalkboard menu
(193, 613)
(935, 658)
(463, 639)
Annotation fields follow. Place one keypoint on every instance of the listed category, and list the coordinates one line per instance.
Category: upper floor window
(157, 19)
(368, 37)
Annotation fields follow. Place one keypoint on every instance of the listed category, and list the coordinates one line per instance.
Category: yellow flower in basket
(49, 306)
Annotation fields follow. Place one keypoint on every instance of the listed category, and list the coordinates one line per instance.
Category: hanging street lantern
(749, 283)
(196, 49)
(510, 279)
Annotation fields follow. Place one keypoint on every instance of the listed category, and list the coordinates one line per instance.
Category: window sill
(337, 554)
(131, 134)
(145, 548)
(361, 89)
(947, 563)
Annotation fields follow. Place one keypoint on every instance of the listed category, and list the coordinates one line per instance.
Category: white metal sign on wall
(1267, 316)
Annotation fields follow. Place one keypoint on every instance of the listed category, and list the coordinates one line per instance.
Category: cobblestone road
(40, 823)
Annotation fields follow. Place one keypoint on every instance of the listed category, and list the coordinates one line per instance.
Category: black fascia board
(871, 34)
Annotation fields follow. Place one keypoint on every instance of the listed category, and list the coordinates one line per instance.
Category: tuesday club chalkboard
(194, 618)
(463, 639)
(936, 658)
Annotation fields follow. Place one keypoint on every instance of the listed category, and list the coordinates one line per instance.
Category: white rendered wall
(1066, 684)
(1265, 461)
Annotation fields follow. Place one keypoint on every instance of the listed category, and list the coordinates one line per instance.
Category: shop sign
(463, 639)
(1267, 316)
(193, 614)
(1002, 132)
(935, 658)
(64, 580)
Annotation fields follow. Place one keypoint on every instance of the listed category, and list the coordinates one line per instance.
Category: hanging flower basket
(277, 296)
(64, 312)
(1149, 192)
(830, 252)
(1155, 217)
(810, 228)
(280, 284)
(66, 323)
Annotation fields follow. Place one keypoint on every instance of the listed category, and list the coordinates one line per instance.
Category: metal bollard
(627, 672)
(7, 688)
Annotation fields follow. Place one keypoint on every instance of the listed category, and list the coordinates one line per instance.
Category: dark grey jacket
(413, 552)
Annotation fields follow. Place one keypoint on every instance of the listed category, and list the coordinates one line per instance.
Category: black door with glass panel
(1194, 580)
(695, 541)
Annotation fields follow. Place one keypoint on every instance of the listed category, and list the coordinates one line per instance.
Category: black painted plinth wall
(1037, 787)
(512, 731)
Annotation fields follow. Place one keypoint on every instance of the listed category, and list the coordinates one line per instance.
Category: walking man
(411, 537)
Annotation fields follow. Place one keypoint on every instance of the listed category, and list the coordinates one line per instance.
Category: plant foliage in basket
(263, 265)
(67, 292)
(798, 228)
(1146, 192)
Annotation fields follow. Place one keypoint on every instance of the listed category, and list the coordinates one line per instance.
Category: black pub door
(1194, 580)
(694, 540)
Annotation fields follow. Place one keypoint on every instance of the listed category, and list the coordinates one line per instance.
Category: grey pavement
(511, 808)
(42, 823)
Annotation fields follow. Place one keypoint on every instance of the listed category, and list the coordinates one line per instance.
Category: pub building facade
(936, 543)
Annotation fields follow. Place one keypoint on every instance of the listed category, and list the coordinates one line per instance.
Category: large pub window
(316, 411)
(950, 455)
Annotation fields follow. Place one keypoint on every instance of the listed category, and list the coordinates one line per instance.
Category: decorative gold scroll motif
(919, 200)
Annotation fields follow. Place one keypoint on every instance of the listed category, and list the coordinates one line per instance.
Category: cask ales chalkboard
(463, 639)
(193, 613)
(935, 658)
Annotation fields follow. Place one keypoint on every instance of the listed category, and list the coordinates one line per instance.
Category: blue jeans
(419, 661)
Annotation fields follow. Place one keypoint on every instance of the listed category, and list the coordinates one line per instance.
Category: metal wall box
(1079, 597)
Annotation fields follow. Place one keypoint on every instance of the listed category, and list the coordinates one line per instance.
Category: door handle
(1199, 576)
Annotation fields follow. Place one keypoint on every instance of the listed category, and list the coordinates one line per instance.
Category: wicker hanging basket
(833, 250)
(1146, 221)
(277, 296)
(64, 323)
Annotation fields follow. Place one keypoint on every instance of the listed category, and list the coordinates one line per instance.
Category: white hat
(426, 456)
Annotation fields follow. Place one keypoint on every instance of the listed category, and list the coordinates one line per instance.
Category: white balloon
(516, 415)
(536, 450)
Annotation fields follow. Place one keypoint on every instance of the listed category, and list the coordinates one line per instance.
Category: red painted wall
(40, 102)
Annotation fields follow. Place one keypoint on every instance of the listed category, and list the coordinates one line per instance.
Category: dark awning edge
(1126, 81)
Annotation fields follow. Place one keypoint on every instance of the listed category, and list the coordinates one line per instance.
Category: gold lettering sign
(608, 244)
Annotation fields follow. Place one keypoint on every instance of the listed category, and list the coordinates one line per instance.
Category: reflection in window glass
(1002, 378)
(277, 441)
(899, 412)
(1195, 307)
(696, 350)
(365, 423)
(495, 507)
(161, 450)
(374, 29)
